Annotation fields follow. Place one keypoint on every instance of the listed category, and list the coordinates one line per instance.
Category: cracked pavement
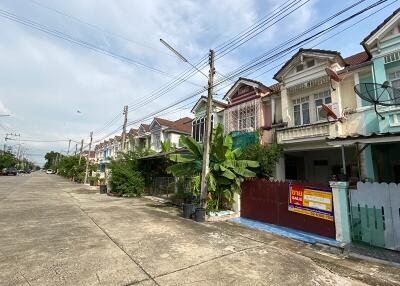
(54, 232)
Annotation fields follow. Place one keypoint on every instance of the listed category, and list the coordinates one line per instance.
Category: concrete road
(53, 232)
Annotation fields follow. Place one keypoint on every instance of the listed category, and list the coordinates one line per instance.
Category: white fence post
(341, 210)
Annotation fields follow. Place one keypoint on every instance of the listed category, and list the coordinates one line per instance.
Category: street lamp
(179, 55)
(201, 212)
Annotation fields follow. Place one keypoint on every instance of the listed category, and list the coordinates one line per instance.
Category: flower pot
(187, 210)
(103, 189)
(200, 215)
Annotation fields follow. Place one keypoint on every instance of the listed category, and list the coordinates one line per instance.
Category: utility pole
(69, 145)
(80, 153)
(207, 133)
(125, 112)
(76, 148)
(88, 157)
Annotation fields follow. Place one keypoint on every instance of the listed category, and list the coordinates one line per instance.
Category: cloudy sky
(57, 86)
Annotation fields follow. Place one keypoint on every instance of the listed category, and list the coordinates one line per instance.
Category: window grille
(243, 117)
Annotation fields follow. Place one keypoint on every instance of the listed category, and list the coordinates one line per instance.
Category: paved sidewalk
(57, 233)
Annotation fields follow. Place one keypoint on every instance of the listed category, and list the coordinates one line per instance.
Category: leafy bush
(69, 167)
(126, 179)
(7, 160)
(266, 155)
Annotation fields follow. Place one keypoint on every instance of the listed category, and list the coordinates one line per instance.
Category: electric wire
(251, 67)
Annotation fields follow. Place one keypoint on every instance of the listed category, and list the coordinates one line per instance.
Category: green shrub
(266, 155)
(126, 179)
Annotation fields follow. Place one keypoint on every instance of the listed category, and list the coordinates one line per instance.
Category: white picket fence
(375, 214)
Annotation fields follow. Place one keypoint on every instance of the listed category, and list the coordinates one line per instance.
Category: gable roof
(163, 122)
(146, 127)
(276, 87)
(301, 51)
(182, 125)
(357, 59)
(247, 81)
(204, 99)
(380, 26)
(133, 131)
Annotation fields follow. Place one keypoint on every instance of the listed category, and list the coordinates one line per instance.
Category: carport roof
(386, 137)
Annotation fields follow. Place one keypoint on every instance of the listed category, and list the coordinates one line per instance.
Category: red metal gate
(267, 201)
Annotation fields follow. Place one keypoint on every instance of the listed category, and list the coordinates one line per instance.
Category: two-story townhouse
(305, 89)
(199, 110)
(117, 146)
(251, 106)
(131, 139)
(143, 136)
(98, 149)
(379, 135)
(163, 129)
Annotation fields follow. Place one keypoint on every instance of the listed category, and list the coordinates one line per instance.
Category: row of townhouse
(317, 148)
(327, 130)
(290, 112)
(146, 136)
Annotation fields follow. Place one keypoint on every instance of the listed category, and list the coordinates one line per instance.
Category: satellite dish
(327, 112)
(332, 76)
(378, 94)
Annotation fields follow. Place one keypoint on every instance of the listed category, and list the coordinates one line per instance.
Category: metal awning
(388, 137)
(163, 154)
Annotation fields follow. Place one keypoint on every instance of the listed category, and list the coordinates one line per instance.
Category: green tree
(51, 158)
(69, 167)
(7, 160)
(267, 155)
(126, 179)
(227, 170)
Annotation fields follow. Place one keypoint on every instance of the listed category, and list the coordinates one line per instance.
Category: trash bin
(103, 189)
(200, 215)
(187, 210)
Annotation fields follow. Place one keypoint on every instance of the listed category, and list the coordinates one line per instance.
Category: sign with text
(316, 202)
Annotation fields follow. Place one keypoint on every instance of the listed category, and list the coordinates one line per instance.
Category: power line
(34, 25)
(95, 27)
(189, 73)
(248, 69)
(253, 32)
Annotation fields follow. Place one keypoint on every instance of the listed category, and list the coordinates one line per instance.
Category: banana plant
(167, 146)
(227, 171)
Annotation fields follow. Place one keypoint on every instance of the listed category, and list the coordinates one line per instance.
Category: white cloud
(45, 80)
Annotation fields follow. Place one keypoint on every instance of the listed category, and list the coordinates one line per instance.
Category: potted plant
(92, 181)
(102, 186)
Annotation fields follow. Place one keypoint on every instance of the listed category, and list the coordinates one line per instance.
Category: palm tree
(227, 171)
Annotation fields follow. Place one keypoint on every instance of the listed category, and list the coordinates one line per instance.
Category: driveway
(54, 232)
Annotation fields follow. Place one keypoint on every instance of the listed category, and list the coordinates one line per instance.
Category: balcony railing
(303, 132)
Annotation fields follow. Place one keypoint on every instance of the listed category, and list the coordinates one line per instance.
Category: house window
(310, 63)
(157, 139)
(199, 128)
(301, 110)
(299, 68)
(320, 98)
(394, 78)
(247, 117)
